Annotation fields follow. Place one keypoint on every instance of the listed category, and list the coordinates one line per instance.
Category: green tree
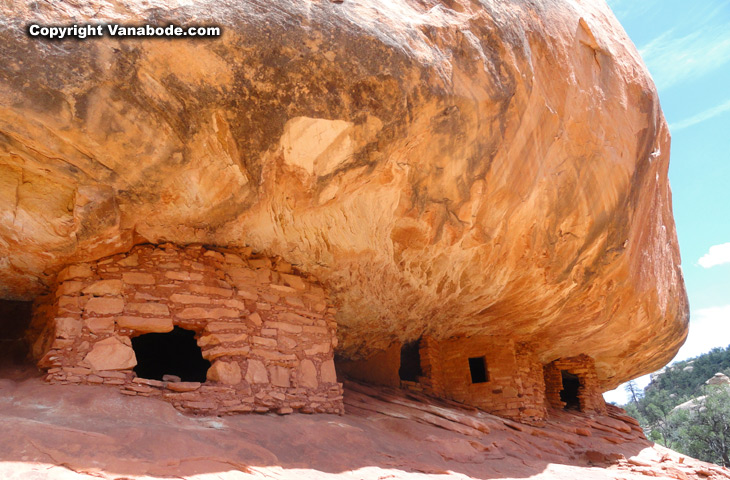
(678, 383)
(703, 431)
(655, 410)
(634, 392)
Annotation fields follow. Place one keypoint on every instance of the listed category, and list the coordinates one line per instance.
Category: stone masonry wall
(515, 388)
(267, 330)
(532, 380)
(515, 385)
(383, 368)
(589, 393)
(431, 366)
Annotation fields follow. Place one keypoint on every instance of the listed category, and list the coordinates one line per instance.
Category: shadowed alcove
(569, 393)
(15, 318)
(172, 353)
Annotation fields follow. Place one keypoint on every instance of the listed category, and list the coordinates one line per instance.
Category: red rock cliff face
(444, 167)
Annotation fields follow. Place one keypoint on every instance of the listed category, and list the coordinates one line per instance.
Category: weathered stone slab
(228, 373)
(104, 287)
(137, 278)
(67, 327)
(104, 305)
(146, 324)
(100, 325)
(308, 375)
(149, 308)
(113, 353)
(75, 271)
(256, 372)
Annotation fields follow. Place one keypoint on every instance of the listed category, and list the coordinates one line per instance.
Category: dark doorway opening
(15, 319)
(569, 393)
(410, 361)
(478, 370)
(172, 353)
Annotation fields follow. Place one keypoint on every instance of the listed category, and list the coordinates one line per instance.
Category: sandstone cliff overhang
(443, 167)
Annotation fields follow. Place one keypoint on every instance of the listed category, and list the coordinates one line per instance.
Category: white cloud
(700, 117)
(708, 328)
(717, 255)
(675, 59)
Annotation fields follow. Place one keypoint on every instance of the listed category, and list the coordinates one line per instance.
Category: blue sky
(686, 46)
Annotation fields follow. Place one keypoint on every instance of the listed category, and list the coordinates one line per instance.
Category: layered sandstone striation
(444, 168)
(67, 432)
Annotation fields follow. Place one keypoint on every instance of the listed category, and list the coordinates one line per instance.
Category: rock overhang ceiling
(442, 167)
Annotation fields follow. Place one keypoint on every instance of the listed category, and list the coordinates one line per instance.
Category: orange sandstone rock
(145, 324)
(450, 168)
(104, 287)
(104, 305)
(113, 353)
(228, 373)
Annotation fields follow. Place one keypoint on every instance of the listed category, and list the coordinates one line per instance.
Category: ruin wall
(515, 384)
(514, 388)
(589, 392)
(268, 330)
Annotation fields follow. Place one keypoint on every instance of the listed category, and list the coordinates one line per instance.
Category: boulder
(718, 379)
(113, 353)
(228, 373)
(450, 167)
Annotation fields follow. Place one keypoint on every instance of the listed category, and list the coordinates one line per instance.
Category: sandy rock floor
(84, 432)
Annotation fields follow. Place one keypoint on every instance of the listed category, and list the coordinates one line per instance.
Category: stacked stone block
(267, 330)
(532, 383)
(431, 366)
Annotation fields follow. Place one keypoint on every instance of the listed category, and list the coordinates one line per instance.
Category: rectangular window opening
(478, 369)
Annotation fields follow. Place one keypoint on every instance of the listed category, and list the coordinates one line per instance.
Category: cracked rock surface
(451, 167)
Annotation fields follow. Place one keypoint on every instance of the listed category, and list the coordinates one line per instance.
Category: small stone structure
(267, 330)
(498, 375)
(495, 374)
(583, 370)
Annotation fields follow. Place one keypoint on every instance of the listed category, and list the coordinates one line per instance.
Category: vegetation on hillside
(700, 429)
